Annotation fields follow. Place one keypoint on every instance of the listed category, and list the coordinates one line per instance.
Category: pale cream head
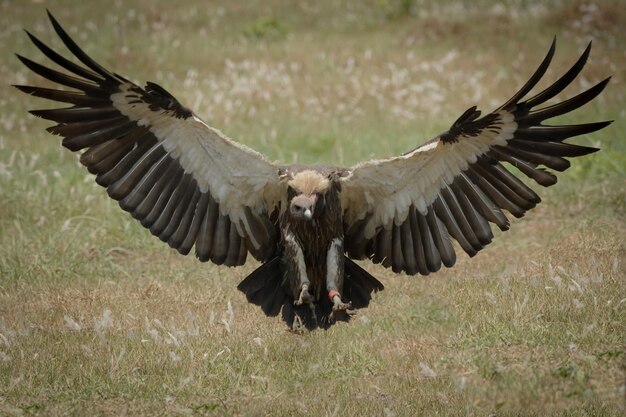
(309, 185)
(309, 182)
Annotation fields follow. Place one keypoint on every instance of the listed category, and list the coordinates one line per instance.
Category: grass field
(97, 317)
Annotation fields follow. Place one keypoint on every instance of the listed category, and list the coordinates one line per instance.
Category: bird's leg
(339, 306)
(301, 283)
(297, 267)
(306, 298)
(334, 278)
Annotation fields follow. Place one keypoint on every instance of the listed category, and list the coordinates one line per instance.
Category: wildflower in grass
(103, 324)
(427, 371)
(71, 324)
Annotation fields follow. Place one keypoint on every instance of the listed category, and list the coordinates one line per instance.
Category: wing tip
(533, 80)
(52, 19)
(602, 84)
(551, 50)
(22, 58)
(23, 88)
(592, 150)
(600, 125)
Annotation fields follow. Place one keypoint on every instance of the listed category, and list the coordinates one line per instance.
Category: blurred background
(375, 76)
(97, 314)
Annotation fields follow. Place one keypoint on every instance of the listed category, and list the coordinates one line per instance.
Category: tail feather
(275, 297)
(358, 284)
(264, 287)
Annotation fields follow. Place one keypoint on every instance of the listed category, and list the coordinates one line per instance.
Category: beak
(308, 213)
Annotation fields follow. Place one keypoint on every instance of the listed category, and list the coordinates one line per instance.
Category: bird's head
(307, 195)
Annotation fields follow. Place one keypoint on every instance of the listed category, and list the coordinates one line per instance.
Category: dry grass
(98, 318)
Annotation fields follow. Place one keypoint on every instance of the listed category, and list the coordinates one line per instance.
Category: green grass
(97, 317)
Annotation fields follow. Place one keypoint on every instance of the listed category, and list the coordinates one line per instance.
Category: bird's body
(308, 273)
(194, 187)
(312, 240)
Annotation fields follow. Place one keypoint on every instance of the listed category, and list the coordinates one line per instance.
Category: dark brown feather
(490, 175)
(461, 218)
(441, 238)
(220, 240)
(511, 181)
(408, 250)
(78, 98)
(541, 176)
(204, 240)
(182, 230)
(383, 247)
(181, 199)
(443, 212)
(78, 142)
(162, 197)
(198, 216)
(62, 61)
(491, 190)
(431, 254)
(121, 168)
(418, 246)
(481, 202)
(554, 162)
(145, 207)
(149, 180)
(533, 80)
(479, 225)
(168, 215)
(397, 258)
(561, 83)
(79, 114)
(234, 247)
(122, 187)
(552, 148)
(64, 79)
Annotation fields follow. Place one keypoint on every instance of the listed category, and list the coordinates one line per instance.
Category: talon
(305, 296)
(334, 312)
(338, 305)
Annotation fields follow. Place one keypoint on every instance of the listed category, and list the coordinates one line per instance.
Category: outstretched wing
(184, 180)
(402, 211)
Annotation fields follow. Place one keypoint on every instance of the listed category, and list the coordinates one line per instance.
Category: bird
(195, 188)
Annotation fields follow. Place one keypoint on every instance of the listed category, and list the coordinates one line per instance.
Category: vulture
(195, 188)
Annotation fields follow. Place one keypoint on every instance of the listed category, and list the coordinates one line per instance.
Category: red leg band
(332, 294)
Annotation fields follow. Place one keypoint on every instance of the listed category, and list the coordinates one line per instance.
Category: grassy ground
(97, 317)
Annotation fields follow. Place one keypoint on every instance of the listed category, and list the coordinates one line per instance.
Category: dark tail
(358, 284)
(264, 287)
